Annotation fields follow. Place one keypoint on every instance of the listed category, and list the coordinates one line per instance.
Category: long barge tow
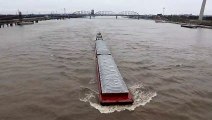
(112, 88)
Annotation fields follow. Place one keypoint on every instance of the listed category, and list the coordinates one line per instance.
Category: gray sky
(140, 6)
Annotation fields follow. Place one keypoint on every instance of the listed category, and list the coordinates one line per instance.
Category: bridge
(130, 14)
(10, 20)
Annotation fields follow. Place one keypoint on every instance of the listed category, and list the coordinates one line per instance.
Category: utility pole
(202, 10)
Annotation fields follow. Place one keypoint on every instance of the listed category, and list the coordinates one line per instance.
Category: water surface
(47, 70)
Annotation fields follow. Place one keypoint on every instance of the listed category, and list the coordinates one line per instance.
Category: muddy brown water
(47, 70)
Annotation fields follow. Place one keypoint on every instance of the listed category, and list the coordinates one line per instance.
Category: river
(47, 70)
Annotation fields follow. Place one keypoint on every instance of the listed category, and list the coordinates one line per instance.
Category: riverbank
(196, 24)
(187, 19)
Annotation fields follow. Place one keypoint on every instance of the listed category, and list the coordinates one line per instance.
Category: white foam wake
(141, 97)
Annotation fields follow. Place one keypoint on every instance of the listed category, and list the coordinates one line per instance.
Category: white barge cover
(110, 77)
(101, 48)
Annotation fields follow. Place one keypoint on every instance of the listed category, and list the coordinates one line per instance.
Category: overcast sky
(140, 6)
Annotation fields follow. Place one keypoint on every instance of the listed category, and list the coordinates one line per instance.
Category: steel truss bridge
(130, 14)
(78, 14)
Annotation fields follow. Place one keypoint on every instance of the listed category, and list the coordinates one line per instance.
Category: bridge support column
(11, 24)
(90, 16)
(116, 17)
(138, 17)
(36, 21)
(0, 25)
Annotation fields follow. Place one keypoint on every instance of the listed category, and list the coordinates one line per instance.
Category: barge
(189, 26)
(112, 88)
(25, 23)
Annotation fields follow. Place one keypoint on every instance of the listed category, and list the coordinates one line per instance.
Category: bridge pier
(116, 17)
(90, 16)
(138, 17)
(11, 24)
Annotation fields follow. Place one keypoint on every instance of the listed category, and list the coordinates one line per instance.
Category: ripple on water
(141, 97)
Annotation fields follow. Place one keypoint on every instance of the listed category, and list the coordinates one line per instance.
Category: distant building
(92, 12)
(20, 15)
(159, 15)
(187, 15)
